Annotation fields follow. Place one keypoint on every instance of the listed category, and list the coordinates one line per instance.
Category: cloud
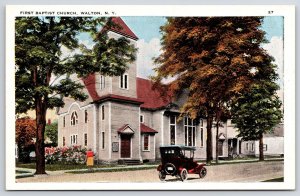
(88, 43)
(275, 49)
(280, 94)
(68, 53)
(146, 52)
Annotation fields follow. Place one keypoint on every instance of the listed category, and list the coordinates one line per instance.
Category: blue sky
(273, 26)
(148, 27)
(145, 27)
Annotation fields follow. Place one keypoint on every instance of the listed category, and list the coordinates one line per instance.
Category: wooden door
(125, 146)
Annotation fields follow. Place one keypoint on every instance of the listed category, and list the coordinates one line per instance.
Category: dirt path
(243, 172)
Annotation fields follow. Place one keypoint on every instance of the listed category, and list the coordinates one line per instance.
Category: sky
(147, 30)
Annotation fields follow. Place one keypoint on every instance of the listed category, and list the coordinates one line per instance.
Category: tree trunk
(209, 157)
(40, 130)
(261, 147)
(217, 143)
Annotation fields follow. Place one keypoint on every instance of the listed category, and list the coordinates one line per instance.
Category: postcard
(152, 97)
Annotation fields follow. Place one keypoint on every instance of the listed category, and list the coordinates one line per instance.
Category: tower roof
(122, 28)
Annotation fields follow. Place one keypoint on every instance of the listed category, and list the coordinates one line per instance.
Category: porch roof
(125, 129)
(146, 129)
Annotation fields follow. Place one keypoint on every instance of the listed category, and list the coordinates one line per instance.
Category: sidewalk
(245, 160)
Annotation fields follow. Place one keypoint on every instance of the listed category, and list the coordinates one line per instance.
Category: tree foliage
(38, 57)
(257, 112)
(51, 131)
(214, 58)
(25, 131)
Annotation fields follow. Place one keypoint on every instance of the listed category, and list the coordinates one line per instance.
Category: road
(242, 172)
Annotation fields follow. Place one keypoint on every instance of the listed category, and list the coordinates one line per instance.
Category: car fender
(202, 164)
(199, 166)
(159, 167)
(180, 169)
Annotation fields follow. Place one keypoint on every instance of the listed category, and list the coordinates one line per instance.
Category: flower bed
(65, 155)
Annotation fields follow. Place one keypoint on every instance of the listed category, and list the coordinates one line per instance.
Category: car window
(188, 153)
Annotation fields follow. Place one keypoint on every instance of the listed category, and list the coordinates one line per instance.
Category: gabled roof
(146, 129)
(152, 98)
(125, 129)
(278, 131)
(123, 28)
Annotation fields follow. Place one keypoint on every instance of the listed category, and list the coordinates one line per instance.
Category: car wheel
(162, 176)
(203, 172)
(183, 175)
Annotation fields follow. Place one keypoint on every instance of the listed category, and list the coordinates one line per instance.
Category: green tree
(51, 131)
(38, 57)
(257, 112)
(212, 57)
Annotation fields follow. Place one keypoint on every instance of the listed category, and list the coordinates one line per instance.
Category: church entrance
(125, 146)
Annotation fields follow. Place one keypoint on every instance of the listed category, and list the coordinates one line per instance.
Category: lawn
(275, 180)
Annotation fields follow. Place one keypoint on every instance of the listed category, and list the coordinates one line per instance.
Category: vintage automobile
(179, 161)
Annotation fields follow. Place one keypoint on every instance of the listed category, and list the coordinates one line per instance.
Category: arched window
(74, 118)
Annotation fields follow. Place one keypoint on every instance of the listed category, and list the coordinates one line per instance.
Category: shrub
(65, 155)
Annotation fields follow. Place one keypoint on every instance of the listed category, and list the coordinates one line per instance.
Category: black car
(179, 161)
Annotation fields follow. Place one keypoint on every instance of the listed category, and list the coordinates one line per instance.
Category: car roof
(179, 146)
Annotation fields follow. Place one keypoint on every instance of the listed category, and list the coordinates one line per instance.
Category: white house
(273, 144)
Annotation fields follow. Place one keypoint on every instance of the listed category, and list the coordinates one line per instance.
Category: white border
(287, 11)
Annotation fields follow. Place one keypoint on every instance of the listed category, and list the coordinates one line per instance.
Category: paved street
(242, 172)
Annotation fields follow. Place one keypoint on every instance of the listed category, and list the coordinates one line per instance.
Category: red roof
(148, 97)
(146, 129)
(90, 82)
(122, 28)
(122, 129)
(152, 98)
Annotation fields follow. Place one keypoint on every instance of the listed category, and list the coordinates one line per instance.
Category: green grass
(22, 172)
(57, 167)
(275, 180)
